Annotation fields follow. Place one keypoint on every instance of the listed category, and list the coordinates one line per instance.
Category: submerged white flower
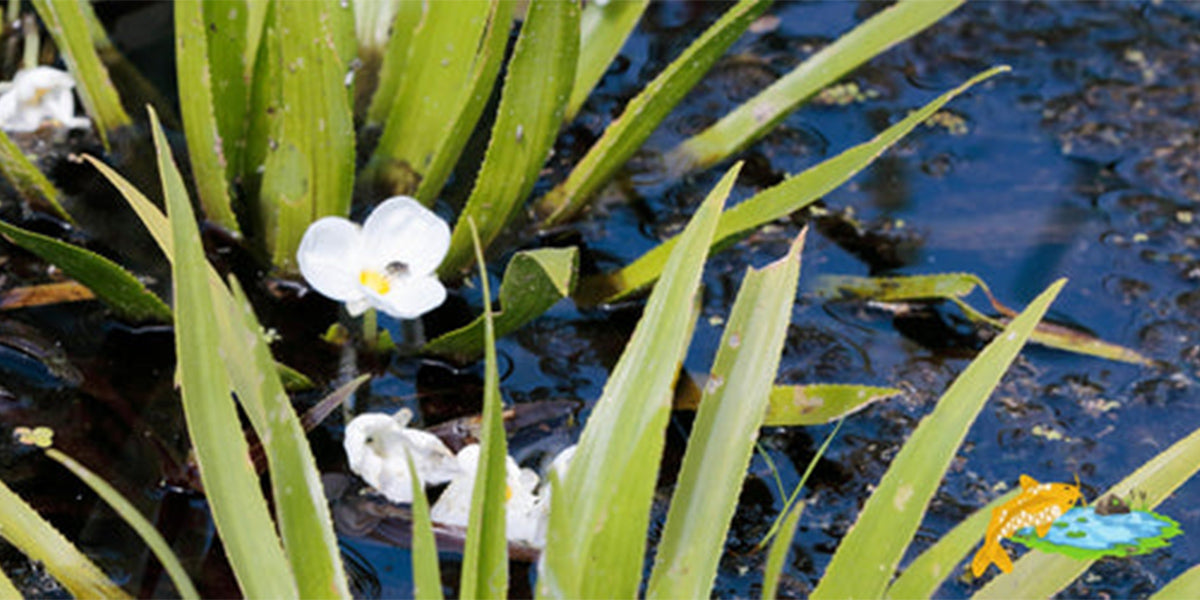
(36, 96)
(387, 264)
(375, 444)
(520, 505)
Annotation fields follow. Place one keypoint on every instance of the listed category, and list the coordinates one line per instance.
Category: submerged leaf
(806, 404)
(534, 281)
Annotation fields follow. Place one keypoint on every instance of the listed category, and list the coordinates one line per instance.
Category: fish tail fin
(983, 558)
(1000, 557)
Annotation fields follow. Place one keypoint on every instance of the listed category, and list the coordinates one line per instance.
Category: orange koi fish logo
(1037, 506)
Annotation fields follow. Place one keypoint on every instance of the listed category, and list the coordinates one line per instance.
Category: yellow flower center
(507, 493)
(375, 281)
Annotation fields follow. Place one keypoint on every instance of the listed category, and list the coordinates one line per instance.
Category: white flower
(388, 263)
(520, 506)
(375, 444)
(36, 96)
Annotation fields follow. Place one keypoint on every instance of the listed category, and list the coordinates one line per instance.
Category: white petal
(434, 461)
(400, 229)
(357, 306)
(410, 297)
(330, 258)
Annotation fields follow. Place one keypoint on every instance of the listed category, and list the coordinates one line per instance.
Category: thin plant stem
(370, 328)
(29, 59)
(812, 464)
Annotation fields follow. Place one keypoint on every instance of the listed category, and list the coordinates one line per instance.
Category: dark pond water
(1080, 163)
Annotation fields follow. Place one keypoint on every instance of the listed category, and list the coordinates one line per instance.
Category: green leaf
(793, 194)
(22, 527)
(603, 29)
(67, 24)
(535, 93)
(456, 47)
(28, 181)
(724, 432)
(427, 580)
(405, 20)
(596, 542)
(1041, 575)
(110, 282)
(230, 482)
(310, 167)
(867, 556)
(534, 281)
(816, 404)
(761, 113)
(485, 555)
(7, 589)
(779, 551)
(954, 287)
(129, 513)
(923, 576)
(644, 113)
(206, 139)
(1183, 587)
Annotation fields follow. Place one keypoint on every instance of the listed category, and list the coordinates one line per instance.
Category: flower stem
(370, 331)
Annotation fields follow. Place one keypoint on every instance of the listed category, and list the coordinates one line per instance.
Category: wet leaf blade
(779, 551)
(427, 99)
(760, 114)
(817, 404)
(230, 481)
(28, 180)
(644, 113)
(427, 578)
(724, 432)
(111, 283)
(132, 517)
(1183, 587)
(485, 555)
(67, 24)
(603, 29)
(535, 94)
(7, 589)
(199, 109)
(309, 171)
(534, 281)
(900, 289)
(596, 543)
(868, 555)
(924, 575)
(405, 20)
(22, 527)
(301, 508)
(1038, 574)
(793, 194)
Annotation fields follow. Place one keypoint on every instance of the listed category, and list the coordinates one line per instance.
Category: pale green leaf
(448, 50)
(391, 68)
(777, 202)
(206, 141)
(230, 481)
(1041, 575)
(309, 169)
(28, 181)
(815, 404)
(67, 24)
(535, 93)
(1183, 587)
(924, 575)
(779, 551)
(596, 542)
(22, 527)
(485, 554)
(132, 517)
(7, 589)
(760, 114)
(109, 281)
(644, 113)
(534, 281)
(603, 29)
(427, 580)
(867, 557)
(723, 434)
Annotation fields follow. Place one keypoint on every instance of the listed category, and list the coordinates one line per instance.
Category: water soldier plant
(270, 94)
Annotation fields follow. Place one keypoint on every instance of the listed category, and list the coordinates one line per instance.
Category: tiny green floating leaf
(534, 281)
